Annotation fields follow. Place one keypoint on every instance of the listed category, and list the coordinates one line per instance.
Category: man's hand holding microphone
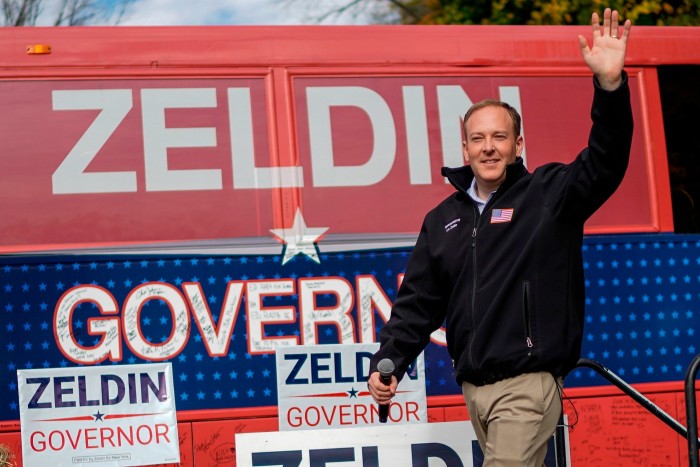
(382, 386)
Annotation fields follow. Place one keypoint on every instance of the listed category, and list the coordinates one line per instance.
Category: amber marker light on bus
(38, 49)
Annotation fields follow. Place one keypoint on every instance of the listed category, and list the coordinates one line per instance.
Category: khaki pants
(514, 418)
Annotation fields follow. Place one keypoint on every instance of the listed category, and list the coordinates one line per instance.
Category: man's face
(491, 144)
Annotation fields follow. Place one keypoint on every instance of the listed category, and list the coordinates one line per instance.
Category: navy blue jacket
(508, 283)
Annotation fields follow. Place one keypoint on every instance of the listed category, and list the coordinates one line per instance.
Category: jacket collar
(461, 177)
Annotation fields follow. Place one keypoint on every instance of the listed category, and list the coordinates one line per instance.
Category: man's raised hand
(606, 57)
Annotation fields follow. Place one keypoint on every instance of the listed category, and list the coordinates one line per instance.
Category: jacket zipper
(477, 218)
(526, 316)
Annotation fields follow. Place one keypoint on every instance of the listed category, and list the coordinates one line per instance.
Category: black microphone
(385, 368)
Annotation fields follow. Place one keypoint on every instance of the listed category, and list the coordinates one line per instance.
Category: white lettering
(371, 297)
(311, 315)
(132, 321)
(108, 328)
(511, 95)
(216, 337)
(453, 102)
(70, 176)
(157, 138)
(417, 135)
(245, 174)
(325, 171)
(258, 315)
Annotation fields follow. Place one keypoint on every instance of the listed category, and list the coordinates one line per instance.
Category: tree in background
(63, 12)
(562, 12)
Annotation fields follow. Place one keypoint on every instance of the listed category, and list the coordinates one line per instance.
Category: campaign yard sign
(121, 415)
(325, 386)
(450, 444)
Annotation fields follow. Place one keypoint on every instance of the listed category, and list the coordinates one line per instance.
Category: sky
(235, 12)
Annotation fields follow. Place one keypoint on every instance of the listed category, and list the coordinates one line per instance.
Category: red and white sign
(122, 415)
(113, 161)
(325, 386)
(446, 444)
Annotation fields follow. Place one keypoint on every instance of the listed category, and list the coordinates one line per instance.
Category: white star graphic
(299, 239)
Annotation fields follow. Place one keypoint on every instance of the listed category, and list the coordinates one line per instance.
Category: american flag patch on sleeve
(501, 215)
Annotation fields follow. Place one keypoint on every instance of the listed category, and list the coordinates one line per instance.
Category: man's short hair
(514, 115)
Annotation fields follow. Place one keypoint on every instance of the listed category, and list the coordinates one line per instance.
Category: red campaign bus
(170, 148)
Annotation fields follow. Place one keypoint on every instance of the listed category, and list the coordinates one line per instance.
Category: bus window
(680, 101)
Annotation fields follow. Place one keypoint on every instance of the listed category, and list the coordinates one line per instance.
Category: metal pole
(691, 411)
(560, 442)
(636, 395)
